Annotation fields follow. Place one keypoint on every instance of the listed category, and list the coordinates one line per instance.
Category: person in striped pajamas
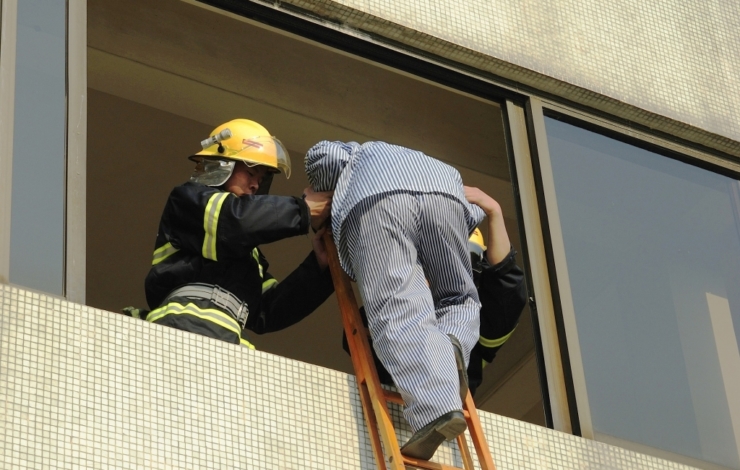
(400, 218)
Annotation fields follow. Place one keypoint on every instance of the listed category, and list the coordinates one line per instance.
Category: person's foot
(462, 372)
(424, 443)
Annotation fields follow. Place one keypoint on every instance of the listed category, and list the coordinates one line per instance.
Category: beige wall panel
(261, 69)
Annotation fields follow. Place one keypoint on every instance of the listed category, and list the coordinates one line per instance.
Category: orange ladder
(375, 399)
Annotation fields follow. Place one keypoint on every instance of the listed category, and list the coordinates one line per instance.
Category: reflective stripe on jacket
(210, 236)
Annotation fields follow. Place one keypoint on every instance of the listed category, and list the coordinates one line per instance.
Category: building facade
(609, 134)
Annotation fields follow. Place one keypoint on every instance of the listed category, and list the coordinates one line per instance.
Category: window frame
(75, 131)
(75, 243)
(666, 146)
(8, 30)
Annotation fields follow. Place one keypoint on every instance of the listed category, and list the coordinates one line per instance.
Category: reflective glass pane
(37, 224)
(653, 253)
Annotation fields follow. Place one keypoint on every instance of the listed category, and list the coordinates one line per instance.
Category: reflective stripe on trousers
(167, 315)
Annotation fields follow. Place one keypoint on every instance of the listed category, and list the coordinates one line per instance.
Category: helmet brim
(260, 150)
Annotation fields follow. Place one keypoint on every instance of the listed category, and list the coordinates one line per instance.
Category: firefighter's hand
(319, 248)
(319, 206)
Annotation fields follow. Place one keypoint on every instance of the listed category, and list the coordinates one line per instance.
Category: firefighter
(208, 275)
(400, 218)
(500, 284)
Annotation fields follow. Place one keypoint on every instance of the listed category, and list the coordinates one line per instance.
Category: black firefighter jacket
(210, 236)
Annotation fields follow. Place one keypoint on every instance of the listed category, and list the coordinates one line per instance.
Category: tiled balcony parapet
(87, 389)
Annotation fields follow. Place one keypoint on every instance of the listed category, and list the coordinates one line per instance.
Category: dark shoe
(462, 373)
(424, 443)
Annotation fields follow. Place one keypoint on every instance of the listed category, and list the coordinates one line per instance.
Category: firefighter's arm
(221, 225)
(503, 296)
(287, 302)
(498, 242)
(249, 221)
(319, 249)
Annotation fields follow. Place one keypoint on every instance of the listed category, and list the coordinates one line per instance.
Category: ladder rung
(395, 397)
(426, 464)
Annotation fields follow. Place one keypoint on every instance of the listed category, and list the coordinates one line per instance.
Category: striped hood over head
(324, 168)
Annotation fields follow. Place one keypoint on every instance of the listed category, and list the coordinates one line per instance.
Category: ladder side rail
(367, 376)
(465, 456)
(372, 426)
(476, 434)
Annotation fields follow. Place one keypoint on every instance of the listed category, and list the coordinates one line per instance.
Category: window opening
(172, 82)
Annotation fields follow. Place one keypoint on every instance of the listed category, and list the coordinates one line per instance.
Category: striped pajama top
(355, 172)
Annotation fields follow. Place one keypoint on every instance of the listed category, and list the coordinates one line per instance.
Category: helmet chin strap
(266, 180)
(265, 184)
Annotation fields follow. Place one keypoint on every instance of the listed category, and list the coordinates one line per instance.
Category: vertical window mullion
(76, 193)
(533, 227)
(8, 27)
(563, 318)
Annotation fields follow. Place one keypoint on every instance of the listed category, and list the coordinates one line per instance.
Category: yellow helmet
(239, 140)
(476, 244)
(476, 247)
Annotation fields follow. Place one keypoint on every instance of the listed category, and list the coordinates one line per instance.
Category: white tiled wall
(638, 60)
(82, 388)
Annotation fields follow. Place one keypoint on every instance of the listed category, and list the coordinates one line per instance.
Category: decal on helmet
(252, 143)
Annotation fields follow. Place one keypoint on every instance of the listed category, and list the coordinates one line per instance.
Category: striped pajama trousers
(395, 243)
